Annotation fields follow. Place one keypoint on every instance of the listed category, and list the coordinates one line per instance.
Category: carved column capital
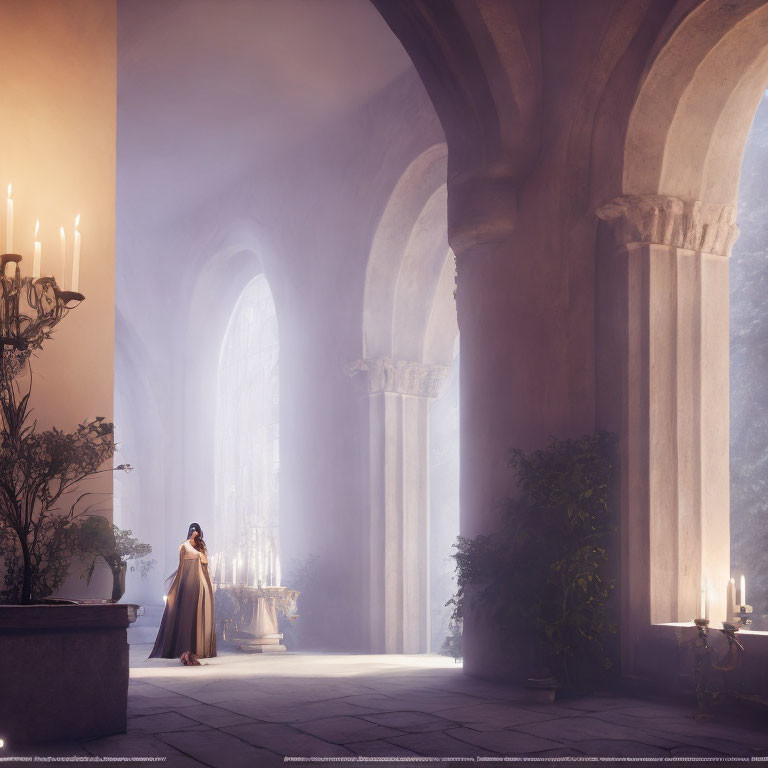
(666, 220)
(403, 377)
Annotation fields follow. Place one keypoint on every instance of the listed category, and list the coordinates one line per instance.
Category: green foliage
(551, 566)
(39, 471)
(452, 644)
(95, 537)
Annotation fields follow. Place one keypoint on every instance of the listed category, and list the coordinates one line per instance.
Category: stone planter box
(63, 671)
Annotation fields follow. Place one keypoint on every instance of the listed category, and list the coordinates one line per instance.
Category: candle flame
(61, 231)
(77, 221)
(37, 228)
(9, 191)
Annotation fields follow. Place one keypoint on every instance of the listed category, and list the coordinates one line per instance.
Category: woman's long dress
(188, 620)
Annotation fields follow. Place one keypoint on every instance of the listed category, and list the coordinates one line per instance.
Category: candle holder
(29, 309)
(732, 658)
(744, 615)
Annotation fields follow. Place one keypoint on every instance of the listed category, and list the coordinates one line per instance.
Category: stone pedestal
(255, 626)
(64, 672)
(263, 627)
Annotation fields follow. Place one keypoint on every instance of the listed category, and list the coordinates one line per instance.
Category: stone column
(399, 395)
(663, 345)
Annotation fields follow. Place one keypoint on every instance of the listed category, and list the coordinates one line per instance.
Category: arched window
(247, 442)
(749, 369)
(443, 503)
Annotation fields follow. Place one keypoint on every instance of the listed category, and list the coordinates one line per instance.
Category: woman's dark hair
(199, 544)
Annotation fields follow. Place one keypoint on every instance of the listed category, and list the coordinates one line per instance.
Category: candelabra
(703, 663)
(29, 309)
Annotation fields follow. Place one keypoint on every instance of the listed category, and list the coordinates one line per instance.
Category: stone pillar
(399, 395)
(663, 345)
(525, 312)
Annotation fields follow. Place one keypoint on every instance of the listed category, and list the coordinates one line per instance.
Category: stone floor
(252, 710)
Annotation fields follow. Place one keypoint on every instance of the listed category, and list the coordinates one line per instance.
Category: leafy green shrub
(551, 566)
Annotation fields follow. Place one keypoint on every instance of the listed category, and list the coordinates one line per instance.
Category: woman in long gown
(188, 628)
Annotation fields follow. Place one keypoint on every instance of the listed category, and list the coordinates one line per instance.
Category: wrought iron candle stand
(29, 310)
(703, 663)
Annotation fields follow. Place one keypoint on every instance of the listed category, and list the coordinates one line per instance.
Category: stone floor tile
(169, 701)
(494, 715)
(342, 730)
(379, 749)
(562, 752)
(688, 730)
(576, 729)
(215, 717)
(284, 740)
(411, 722)
(268, 712)
(439, 744)
(687, 751)
(139, 745)
(165, 721)
(375, 702)
(599, 703)
(620, 748)
(505, 742)
(221, 750)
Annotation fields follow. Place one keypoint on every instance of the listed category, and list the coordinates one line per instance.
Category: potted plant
(95, 537)
(41, 501)
(547, 575)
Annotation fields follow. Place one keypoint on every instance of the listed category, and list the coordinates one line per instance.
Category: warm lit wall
(57, 148)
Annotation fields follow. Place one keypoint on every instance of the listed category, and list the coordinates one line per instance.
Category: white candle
(10, 269)
(703, 605)
(743, 591)
(62, 252)
(76, 257)
(9, 223)
(277, 570)
(38, 256)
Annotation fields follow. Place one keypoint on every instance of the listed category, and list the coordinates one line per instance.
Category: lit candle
(76, 257)
(731, 601)
(38, 256)
(9, 223)
(62, 252)
(743, 592)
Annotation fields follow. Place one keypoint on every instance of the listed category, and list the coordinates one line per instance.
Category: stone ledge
(25, 618)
